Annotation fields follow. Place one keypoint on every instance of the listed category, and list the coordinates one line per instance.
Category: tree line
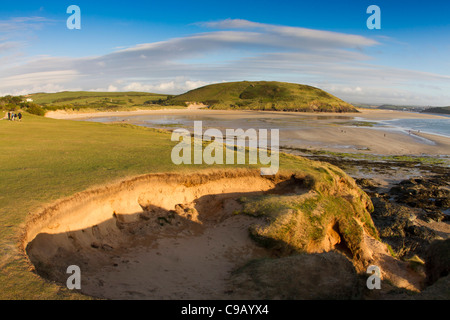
(13, 103)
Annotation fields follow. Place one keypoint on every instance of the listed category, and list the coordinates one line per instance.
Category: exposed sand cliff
(188, 236)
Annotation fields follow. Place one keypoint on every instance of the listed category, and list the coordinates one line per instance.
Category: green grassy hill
(401, 107)
(263, 95)
(96, 100)
(245, 95)
(442, 110)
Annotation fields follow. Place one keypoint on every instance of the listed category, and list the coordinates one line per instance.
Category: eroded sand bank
(177, 236)
(161, 236)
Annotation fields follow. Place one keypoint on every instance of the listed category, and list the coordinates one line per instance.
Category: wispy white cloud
(22, 24)
(13, 36)
(8, 46)
(179, 84)
(232, 50)
(309, 37)
(36, 78)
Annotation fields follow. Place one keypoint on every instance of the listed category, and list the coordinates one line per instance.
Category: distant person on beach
(20, 116)
(9, 115)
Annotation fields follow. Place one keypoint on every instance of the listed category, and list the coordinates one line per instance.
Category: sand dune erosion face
(159, 236)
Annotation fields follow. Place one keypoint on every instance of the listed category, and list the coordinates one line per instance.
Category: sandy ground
(64, 115)
(369, 141)
(319, 134)
(189, 265)
(132, 256)
(367, 113)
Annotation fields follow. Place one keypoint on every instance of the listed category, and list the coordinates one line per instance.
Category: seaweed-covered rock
(367, 184)
(395, 224)
(437, 216)
(424, 193)
(437, 261)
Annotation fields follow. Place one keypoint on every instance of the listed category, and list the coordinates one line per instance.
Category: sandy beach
(371, 114)
(317, 131)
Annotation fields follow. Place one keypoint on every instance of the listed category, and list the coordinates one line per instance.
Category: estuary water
(434, 126)
(283, 122)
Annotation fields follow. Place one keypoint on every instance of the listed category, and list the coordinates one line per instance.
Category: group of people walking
(13, 116)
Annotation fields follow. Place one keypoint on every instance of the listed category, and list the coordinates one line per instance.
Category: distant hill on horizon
(440, 110)
(422, 109)
(401, 107)
(264, 95)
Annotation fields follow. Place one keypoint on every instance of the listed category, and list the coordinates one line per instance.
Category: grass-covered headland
(83, 101)
(264, 95)
(245, 95)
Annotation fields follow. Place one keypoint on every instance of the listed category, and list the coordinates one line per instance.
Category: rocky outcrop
(424, 193)
(396, 226)
(437, 261)
(403, 215)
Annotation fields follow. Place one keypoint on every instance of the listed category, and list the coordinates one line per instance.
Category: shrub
(11, 107)
(35, 109)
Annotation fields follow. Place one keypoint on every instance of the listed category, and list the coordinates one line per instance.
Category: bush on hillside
(35, 109)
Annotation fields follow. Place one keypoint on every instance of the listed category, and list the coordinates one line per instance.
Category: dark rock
(423, 233)
(440, 290)
(145, 216)
(107, 247)
(95, 245)
(437, 260)
(425, 193)
(367, 184)
(396, 227)
(435, 216)
(408, 182)
(396, 190)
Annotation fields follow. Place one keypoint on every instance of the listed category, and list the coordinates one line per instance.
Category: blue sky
(174, 46)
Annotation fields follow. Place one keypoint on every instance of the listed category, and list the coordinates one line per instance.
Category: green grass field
(43, 160)
(87, 100)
